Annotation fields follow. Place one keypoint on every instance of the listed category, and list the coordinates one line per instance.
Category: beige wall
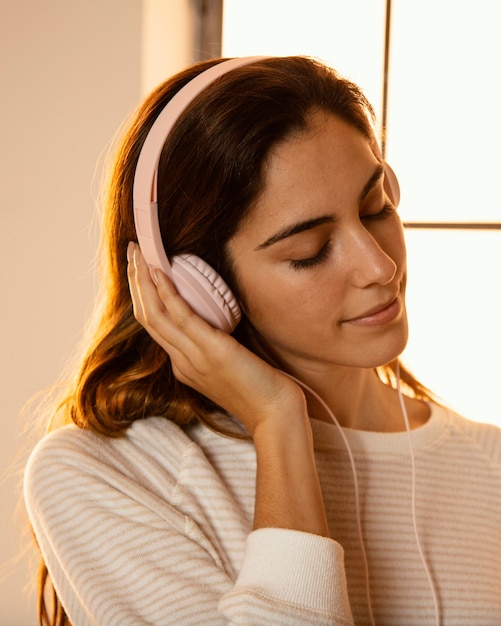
(71, 71)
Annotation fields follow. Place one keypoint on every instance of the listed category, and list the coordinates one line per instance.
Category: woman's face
(320, 261)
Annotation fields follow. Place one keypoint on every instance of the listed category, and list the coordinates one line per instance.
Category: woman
(200, 478)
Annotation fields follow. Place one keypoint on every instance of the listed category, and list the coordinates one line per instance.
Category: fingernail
(154, 275)
(130, 251)
(135, 256)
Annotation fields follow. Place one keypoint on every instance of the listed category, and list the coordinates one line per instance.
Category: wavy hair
(210, 173)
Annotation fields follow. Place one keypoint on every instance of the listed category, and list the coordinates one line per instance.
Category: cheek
(266, 300)
(281, 311)
(398, 242)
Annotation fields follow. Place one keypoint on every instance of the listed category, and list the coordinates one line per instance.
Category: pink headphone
(198, 283)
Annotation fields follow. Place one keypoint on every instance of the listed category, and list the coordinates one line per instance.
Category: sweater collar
(326, 435)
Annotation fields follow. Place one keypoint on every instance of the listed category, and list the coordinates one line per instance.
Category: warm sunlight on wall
(444, 144)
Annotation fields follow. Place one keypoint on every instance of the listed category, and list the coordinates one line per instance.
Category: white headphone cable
(356, 490)
(355, 484)
(414, 514)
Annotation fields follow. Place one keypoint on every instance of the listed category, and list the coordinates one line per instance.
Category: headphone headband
(145, 178)
(147, 165)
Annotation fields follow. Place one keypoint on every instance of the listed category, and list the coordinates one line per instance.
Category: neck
(360, 400)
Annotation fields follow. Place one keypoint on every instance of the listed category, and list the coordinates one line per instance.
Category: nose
(369, 263)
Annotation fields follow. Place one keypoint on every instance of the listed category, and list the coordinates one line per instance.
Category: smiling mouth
(379, 315)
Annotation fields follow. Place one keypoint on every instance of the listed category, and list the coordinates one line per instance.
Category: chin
(379, 352)
(389, 353)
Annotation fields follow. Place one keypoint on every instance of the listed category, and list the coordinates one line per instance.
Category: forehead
(318, 171)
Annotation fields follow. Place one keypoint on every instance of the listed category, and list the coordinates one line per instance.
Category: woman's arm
(270, 405)
(130, 530)
(288, 491)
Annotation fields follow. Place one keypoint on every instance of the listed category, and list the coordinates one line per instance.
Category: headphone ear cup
(391, 185)
(205, 291)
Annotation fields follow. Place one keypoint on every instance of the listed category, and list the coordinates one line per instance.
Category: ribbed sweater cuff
(296, 568)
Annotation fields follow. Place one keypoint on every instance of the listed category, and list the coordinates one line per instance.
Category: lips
(382, 313)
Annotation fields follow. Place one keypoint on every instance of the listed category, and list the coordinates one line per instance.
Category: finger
(149, 309)
(133, 286)
(159, 296)
(163, 312)
(154, 308)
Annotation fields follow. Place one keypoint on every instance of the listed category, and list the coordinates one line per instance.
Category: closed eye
(299, 264)
(387, 210)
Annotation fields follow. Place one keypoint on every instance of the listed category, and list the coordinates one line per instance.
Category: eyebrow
(371, 183)
(301, 227)
(294, 229)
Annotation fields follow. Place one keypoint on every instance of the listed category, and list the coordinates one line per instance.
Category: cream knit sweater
(155, 528)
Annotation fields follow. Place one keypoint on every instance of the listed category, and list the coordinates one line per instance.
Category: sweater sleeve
(116, 553)
(290, 578)
(120, 552)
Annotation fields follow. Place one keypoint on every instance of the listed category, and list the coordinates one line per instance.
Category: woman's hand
(207, 359)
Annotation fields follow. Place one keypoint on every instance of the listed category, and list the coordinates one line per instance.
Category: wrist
(285, 431)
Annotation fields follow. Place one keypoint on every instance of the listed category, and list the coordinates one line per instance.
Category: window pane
(349, 36)
(445, 89)
(454, 313)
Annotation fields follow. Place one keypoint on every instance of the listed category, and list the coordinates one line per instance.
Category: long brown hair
(209, 175)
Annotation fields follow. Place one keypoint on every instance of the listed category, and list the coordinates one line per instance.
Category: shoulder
(153, 461)
(148, 506)
(484, 437)
(147, 459)
(155, 438)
